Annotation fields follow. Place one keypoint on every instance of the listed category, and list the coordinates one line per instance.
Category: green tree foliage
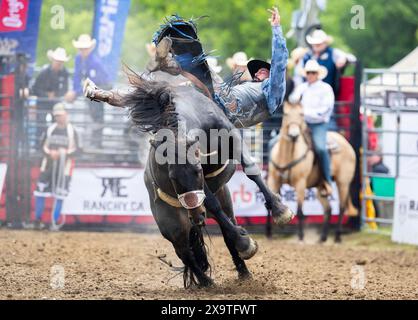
(78, 19)
(391, 27)
(390, 33)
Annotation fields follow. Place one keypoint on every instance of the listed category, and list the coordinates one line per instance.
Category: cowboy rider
(317, 99)
(248, 103)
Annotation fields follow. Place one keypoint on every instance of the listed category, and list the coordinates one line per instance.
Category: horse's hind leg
(280, 212)
(226, 203)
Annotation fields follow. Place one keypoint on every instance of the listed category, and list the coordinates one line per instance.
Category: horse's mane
(150, 104)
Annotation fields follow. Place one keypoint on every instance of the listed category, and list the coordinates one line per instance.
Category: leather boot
(164, 60)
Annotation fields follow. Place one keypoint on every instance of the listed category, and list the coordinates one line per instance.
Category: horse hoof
(284, 218)
(244, 276)
(338, 240)
(251, 251)
(322, 240)
(207, 283)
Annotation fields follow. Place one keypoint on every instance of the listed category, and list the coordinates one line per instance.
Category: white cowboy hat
(58, 54)
(313, 66)
(295, 56)
(151, 49)
(213, 64)
(84, 42)
(318, 36)
(238, 59)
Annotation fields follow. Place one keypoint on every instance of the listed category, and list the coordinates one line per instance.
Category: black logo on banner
(114, 186)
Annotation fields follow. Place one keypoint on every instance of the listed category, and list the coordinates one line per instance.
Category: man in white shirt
(317, 99)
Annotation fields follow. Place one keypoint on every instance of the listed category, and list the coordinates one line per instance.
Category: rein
(291, 164)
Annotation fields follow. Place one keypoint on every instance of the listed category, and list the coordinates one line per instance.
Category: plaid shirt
(274, 88)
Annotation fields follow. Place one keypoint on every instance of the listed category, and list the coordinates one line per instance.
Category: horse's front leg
(224, 198)
(280, 212)
(245, 246)
(300, 198)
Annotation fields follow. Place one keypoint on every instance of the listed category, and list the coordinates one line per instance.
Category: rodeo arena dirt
(114, 185)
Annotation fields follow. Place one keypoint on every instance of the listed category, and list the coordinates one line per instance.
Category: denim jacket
(274, 88)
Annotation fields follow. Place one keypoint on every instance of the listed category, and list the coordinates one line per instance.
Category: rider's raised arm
(274, 88)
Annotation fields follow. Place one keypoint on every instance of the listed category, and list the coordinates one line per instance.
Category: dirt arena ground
(125, 266)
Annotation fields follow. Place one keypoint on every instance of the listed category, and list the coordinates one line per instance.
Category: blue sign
(108, 29)
(19, 26)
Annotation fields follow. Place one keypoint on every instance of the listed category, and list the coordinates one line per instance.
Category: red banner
(13, 15)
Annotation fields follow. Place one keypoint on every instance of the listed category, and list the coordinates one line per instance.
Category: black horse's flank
(181, 194)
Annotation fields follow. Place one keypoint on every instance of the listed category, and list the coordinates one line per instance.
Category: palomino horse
(293, 162)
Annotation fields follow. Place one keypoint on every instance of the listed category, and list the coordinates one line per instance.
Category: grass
(374, 240)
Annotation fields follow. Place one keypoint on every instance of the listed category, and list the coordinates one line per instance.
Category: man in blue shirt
(89, 65)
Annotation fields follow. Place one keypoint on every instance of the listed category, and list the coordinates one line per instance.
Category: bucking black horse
(194, 152)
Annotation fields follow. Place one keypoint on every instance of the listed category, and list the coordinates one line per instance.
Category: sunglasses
(311, 72)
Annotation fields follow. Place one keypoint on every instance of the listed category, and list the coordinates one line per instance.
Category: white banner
(405, 220)
(3, 171)
(120, 191)
(249, 201)
(107, 191)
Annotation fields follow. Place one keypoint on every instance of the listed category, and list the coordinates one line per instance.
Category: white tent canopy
(402, 76)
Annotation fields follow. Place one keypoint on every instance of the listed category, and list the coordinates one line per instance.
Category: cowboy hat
(58, 54)
(238, 59)
(151, 49)
(318, 36)
(84, 42)
(59, 109)
(255, 65)
(295, 56)
(213, 64)
(313, 66)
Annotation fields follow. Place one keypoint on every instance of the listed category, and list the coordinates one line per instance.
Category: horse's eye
(285, 114)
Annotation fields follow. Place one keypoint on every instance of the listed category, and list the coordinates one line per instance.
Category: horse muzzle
(192, 199)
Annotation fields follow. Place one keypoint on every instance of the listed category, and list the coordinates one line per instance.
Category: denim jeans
(319, 139)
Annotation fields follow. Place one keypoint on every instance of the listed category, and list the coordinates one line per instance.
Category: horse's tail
(150, 104)
(200, 253)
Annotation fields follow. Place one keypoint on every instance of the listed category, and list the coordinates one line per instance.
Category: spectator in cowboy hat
(216, 69)
(213, 64)
(52, 81)
(294, 64)
(317, 100)
(238, 65)
(51, 84)
(331, 58)
(88, 65)
(151, 49)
